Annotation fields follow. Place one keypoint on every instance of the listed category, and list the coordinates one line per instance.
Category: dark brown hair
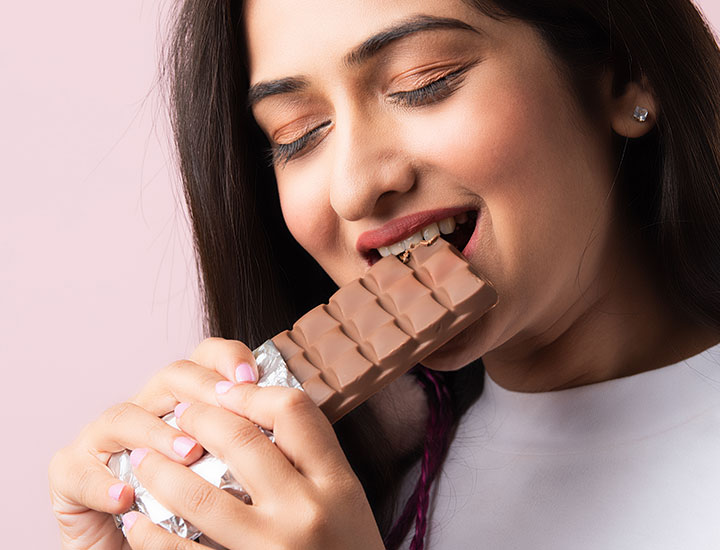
(255, 278)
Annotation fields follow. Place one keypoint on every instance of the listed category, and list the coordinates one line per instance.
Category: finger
(143, 534)
(179, 381)
(217, 513)
(128, 426)
(79, 481)
(254, 460)
(213, 361)
(302, 432)
(231, 358)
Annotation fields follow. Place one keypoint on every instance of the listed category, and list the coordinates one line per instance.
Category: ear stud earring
(640, 114)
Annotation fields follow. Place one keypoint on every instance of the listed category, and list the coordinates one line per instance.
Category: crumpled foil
(272, 371)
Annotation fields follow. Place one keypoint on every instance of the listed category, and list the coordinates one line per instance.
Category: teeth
(447, 226)
(430, 231)
(412, 239)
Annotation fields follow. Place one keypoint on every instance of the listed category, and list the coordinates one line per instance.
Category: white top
(627, 464)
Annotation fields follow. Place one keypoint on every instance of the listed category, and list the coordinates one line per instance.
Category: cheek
(540, 177)
(305, 203)
(303, 207)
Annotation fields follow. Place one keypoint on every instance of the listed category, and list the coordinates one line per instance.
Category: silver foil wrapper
(272, 371)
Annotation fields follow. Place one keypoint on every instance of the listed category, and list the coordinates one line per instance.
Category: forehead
(288, 37)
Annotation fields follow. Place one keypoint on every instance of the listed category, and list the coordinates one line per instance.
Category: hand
(304, 492)
(84, 492)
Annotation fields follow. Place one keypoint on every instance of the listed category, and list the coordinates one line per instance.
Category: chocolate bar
(371, 331)
(378, 327)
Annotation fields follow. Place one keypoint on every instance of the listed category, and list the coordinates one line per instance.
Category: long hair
(256, 280)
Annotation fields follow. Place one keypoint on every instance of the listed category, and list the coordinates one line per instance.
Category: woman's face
(388, 116)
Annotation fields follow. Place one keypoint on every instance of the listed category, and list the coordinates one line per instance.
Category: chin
(460, 351)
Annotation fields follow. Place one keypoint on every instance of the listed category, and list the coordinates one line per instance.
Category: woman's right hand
(83, 490)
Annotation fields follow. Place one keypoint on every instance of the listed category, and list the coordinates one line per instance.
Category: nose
(370, 170)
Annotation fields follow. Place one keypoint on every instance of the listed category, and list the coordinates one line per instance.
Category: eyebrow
(359, 55)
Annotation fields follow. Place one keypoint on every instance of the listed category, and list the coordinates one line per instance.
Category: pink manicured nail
(244, 373)
(223, 387)
(181, 408)
(183, 446)
(116, 490)
(137, 456)
(129, 520)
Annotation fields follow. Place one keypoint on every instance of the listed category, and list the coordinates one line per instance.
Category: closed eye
(282, 153)
(437, 90)
(430, 93)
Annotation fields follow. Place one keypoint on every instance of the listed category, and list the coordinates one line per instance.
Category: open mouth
(460, 237)
(457, 230)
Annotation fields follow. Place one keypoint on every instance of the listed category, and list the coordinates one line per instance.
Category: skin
(578, 302)
(303, 478)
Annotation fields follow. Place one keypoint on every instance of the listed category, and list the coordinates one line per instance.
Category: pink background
(97, 284)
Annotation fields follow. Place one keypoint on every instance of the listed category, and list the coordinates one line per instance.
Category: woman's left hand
(305, 495)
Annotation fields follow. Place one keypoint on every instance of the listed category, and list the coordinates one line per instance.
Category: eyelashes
(430, 93)
(437, 90)
(282, 153)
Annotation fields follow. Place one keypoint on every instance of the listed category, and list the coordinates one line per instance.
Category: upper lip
(401, 228)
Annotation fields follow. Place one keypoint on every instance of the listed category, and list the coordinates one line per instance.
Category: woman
(580, 138)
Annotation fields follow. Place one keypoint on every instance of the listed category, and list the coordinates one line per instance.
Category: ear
(622, 108)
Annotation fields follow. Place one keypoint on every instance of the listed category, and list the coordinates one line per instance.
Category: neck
(629, 328)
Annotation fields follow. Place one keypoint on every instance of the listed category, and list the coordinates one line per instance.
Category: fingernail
(129, 520)
(181, 408)
(183, 446)
(244, 373)
(116, 490)
(223, 387)
(136, 457)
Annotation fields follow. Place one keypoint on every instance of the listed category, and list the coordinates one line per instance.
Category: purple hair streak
(437, 440)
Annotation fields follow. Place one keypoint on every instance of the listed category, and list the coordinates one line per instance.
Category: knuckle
(279, 545)
(118, 413)
(180, 545)
(200, 497)
(314, 520)
(207, 344)
(245, 435)
(212, 340)
(88, 434)
(218, 344)
(175, 367)
(343, 482)
(165, 383)
(293, 401)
